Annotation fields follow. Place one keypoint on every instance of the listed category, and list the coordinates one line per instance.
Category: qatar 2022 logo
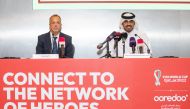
(157, 75)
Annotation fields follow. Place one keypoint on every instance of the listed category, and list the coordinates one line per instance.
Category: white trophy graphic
(157, 75)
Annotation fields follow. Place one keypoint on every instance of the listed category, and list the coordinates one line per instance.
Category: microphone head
(132, 42)
(140, 41)
(61, 41)
(117, 34)
(100, 51)
(99, 46)
(140, 46)
(124, 35)
(111, 36)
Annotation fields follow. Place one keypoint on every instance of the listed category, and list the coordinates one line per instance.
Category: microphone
(109, 38)
(124, 37)
(148, 49)
(100, 51)
(140, 47)
(132, 44)
(62, 46)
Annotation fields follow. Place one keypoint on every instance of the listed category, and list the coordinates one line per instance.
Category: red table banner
(95, 84)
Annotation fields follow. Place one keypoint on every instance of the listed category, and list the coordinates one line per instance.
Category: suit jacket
(44, 45)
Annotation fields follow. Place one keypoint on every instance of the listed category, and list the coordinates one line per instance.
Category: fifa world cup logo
(157, 75)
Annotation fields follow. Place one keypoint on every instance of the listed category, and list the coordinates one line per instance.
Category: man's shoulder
(65, 35)
(44, 35)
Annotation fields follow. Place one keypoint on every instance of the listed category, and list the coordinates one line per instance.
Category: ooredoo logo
(174, 98)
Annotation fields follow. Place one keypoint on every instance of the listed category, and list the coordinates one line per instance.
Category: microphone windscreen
(140, 41)
(117, 34)
(61, 39)
(111, 36)
(124, 35)
(132, 42)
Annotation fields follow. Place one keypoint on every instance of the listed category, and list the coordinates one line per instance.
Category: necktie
(54, 50)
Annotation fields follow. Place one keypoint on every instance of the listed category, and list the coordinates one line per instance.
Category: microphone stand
(116, 46)
(107, 55)
(123, 41)
(133, 49)
(62, 52)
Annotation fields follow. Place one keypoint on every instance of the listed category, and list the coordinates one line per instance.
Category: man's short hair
(54, 15)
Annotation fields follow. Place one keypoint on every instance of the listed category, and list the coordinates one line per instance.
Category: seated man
(49, 43)
(133, 40)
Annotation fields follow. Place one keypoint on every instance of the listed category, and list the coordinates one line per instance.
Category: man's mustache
(128, 26)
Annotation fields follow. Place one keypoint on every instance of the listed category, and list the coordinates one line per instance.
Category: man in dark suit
(48, 43)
